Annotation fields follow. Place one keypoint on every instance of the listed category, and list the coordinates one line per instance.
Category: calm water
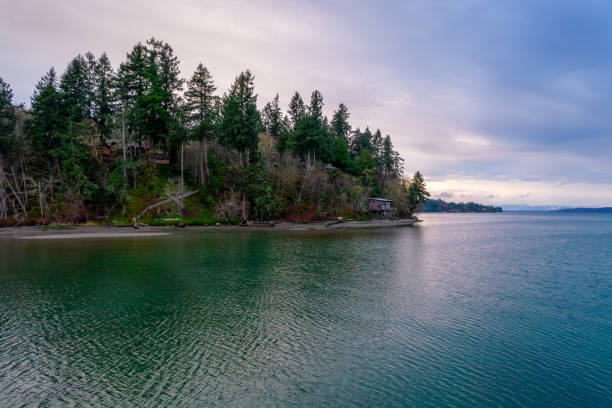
(463, 310)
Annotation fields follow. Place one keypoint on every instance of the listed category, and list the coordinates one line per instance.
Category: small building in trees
(380, 206)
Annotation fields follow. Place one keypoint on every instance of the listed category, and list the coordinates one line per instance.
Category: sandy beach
(91, 232)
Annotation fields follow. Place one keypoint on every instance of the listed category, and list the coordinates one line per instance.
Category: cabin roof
(380, 199)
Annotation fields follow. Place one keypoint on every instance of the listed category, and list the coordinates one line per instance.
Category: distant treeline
(444, 206)
(109, 143)
(586, 210)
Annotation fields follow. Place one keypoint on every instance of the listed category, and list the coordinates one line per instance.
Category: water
(463, 310)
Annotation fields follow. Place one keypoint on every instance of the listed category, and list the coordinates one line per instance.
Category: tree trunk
(202, 179)
(4, 210)
(244, 214)
(123, 140)
(182, 185)
(169, 200)
(206, 160)
(16, 195)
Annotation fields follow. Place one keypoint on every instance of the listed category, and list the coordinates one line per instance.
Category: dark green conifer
(104, 106)
(7, 119)
(297, 110)
(272, 118)
(201, 110)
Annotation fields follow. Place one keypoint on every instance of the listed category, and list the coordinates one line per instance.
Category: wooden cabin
(380, 206)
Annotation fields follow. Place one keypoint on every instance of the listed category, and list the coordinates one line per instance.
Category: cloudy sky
(502, 102)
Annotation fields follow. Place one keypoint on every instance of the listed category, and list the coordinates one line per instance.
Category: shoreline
(102, 231)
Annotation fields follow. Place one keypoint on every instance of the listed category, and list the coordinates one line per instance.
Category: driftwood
(167, 201)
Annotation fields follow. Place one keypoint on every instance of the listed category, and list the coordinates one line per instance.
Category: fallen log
(167, 201)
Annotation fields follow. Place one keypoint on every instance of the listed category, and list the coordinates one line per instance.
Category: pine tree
(311, 137)
(48, 124)
(377, 145)
(155, 118)
(272, 117)
(74, 85)
(131, 86)
(90, 65)
(103, 92)
(168, 71)
(417, 192)
(391, 161)
(285, 135)
(315, 110)
(201, 113)
(361, 141)
(339, 124)
(7, 119)
(240, 124)
(297, 110)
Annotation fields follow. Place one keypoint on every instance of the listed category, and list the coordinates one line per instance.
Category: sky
(499, 102)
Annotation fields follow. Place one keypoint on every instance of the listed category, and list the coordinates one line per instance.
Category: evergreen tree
(153, 110)
(239, 126)
(361, 141)
(340, 124)
(297, 110)
(180, 135)
(315, 110)
(168, 71)
(103, 92)
(284, 137)
(90, 65)
(417, 192)
(48, 124)
(132, 85)
(74, 86)
(201, 113)
(7, 119)
(311, 137)
(272, 118)
(155, 118)
(377, 145)
(391, 161)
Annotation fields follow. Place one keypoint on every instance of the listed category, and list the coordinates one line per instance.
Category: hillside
(141, 143)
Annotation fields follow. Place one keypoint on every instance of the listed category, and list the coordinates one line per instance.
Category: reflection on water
(461, 310)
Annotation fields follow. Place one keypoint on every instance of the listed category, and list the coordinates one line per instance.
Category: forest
(140, 143)
(445, 206)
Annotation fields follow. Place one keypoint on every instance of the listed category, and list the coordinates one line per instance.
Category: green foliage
(260, 191)
(239, 125)
(104, 106)
(469, 207)
(417, 192)
(48, 124)
(200, 104)
(297, 109)
(272, 118)
(390, 160)
(71, 154)
(340, 125)
(311, 137)
(75, 90)
(7, 119)
(118, 188)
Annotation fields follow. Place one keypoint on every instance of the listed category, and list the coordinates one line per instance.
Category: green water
(462, 310)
